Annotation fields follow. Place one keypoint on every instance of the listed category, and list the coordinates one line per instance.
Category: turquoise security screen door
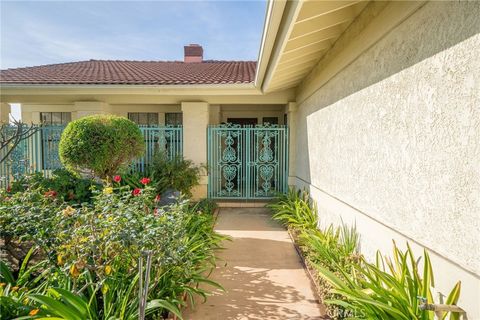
(247, 162)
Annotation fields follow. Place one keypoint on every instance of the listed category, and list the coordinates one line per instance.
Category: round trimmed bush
(101, 144)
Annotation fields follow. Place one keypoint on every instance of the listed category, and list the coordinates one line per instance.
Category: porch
(243, 147)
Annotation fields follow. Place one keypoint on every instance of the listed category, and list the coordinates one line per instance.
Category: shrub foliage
(100, 144)
(68, 186)
(179, 174)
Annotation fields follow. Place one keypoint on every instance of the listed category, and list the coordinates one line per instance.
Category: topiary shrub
(100, 144)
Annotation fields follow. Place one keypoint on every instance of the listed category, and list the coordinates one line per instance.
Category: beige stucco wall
(5, 110)
(31, 112)
(392, 142)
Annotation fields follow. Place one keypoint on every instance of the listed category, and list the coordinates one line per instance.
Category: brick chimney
(193, 53)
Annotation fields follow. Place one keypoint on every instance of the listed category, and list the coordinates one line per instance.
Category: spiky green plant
(388, 289)
(295, 209)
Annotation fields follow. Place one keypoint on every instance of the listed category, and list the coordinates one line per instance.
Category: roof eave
(39, 89)
(273, 19)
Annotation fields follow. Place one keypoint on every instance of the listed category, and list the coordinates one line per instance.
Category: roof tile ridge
(48, 65)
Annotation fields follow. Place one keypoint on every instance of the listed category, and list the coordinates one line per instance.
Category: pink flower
(117, 179)
(136, 191)
(157, 198)
(145, 181)
(155, 212)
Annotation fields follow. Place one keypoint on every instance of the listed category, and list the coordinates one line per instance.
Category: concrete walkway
(260, 270)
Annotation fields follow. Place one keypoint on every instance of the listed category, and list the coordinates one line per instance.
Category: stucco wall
(31, 112)
(394, 139)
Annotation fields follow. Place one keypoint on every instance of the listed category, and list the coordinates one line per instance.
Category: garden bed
(349, 285)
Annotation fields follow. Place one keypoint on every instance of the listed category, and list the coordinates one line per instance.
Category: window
(270, 120)
(55, 118)
(174, 119)
(144, 118)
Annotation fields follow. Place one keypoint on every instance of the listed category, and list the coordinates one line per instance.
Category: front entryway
(246, 161)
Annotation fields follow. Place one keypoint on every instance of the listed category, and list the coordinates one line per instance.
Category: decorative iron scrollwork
(247, 162)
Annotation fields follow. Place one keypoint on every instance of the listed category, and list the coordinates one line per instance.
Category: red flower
(50, 194)
(136, 191)
(145, 181)
(9, 189)
(155, 212)
(117, 179)
(157, 198)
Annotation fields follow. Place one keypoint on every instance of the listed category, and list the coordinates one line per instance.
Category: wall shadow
(433, 28)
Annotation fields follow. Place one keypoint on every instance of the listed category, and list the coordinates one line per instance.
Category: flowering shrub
(120, 225)
(93, 249)
(31, 216)
(62, 183)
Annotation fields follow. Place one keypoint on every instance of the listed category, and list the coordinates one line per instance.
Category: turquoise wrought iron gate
(249, 162)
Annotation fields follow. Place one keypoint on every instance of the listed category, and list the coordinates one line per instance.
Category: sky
(45, 32)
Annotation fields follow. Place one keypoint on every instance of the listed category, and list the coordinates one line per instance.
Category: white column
(5, 112)
(291, 110)
(87, 108)
(196, 117)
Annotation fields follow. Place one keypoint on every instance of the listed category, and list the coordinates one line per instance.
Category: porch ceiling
(307, 30)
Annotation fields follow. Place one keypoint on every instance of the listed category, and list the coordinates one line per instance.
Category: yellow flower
(2, 284)
(108, 270)
(14, 288)
(33, 312)
(74, 271)
(108, 190)
(105, 288)
(60, 260)
(68, 211)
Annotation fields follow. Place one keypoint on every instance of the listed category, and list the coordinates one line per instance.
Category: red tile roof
(133, 73)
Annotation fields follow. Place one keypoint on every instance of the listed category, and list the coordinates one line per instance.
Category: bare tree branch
(11, 134)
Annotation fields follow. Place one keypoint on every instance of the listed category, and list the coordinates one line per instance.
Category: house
(382, 103)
